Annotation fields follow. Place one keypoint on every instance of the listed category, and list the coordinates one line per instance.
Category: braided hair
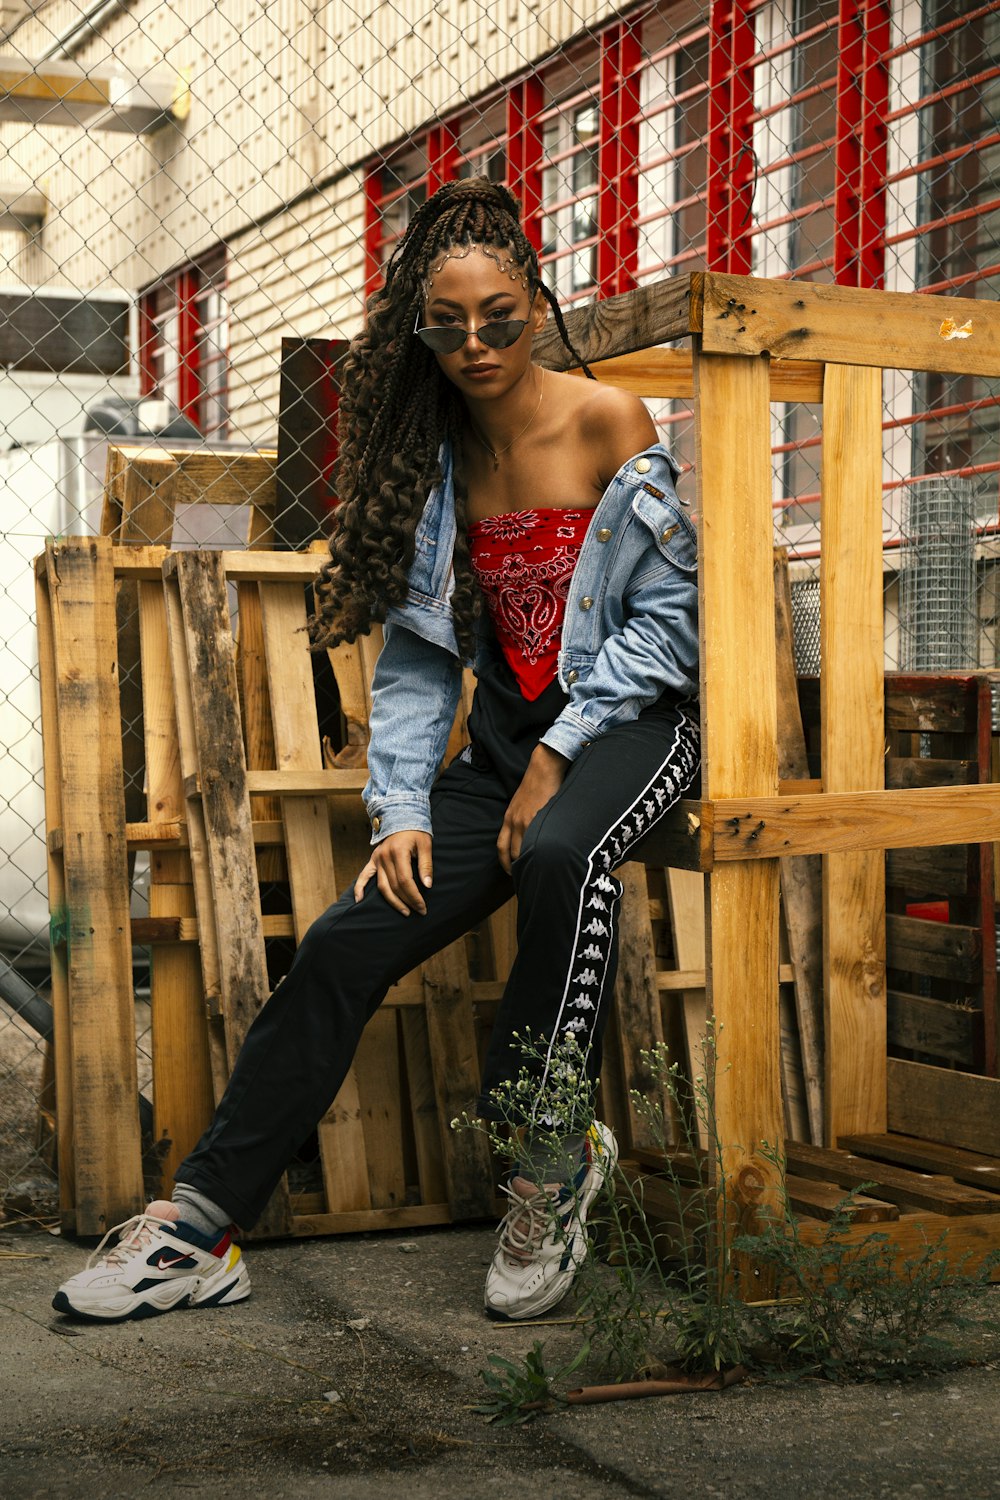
(396, 409)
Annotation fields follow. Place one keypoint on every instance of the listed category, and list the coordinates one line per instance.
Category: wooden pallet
(240, 800)
(916, 1189)
(942, 975)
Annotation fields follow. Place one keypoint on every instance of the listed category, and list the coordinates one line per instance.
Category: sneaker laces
(136, 1233)
(527, 1221)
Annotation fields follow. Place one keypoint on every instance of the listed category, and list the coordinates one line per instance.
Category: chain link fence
(183, 187)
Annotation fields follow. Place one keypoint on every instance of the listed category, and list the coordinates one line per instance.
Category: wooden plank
(932, 1026)
(467, 1165)
(943, 871)
(255, 706)
(183, 1095)
(943, 949)
(107, 1153)
(345, 1129)
(636, 1014)
(802, 878)
(914, 1190)
(935, 703)
(198, 476)
(376, 1069)
(211, 675)
(201, 875)
(668, 374)
(967, 1243)
(638, 319)
(822, 1200)
(424, 1120)
(958, 1109)
(311, 873)
(927, 817)
(286, 784)
(305, 1226)
(739, 715)
(681, 839)
(981, 882)
(686, 900)
(670, 980)
(928, 1156)
(58, 951)
(848, 326)
(911, 771)
(853, 747)
(138, 561)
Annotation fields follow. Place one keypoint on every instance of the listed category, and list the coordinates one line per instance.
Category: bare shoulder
(611, 424)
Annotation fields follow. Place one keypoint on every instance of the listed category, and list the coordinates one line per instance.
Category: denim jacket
(630, 633)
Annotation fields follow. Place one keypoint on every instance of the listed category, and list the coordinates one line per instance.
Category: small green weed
(654, 1296)
(521, 1391)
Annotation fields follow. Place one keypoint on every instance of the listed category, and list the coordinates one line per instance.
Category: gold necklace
(495, 453)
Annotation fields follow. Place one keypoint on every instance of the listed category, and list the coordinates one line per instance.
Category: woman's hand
(540, 782)
(392, 865)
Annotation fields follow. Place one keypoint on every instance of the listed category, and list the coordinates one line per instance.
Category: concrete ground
(350, 1373)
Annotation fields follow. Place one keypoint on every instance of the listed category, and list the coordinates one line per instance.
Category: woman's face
(470, 291)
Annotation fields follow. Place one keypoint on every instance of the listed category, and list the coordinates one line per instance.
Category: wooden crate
(940, 922)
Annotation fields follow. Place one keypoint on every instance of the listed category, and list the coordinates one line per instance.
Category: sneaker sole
(231, 1293)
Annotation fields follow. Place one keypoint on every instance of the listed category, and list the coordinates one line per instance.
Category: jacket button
(642, 466)
(586, 602)
(666, 535)
(604, 535)
(376, 824)
(573, 676)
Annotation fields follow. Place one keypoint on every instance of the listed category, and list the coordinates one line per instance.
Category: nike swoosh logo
(166, 1260)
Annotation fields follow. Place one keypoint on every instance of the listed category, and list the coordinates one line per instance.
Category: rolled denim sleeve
(656, 651)
(415, 690)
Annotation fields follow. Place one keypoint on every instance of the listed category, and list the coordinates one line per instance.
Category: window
(570, 179)
(956, 237)
(185, 343)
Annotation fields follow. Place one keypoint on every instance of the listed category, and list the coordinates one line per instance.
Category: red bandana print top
(523, 561)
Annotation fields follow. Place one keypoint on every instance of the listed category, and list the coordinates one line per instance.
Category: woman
(525, 521)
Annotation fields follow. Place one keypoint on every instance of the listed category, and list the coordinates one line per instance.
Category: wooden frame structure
(753, 341)
(746, 824)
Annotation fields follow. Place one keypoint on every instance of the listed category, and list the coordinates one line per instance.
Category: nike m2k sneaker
(543, 1238)
(156, 1265)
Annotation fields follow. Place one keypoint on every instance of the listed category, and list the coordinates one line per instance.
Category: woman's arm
(415, 691)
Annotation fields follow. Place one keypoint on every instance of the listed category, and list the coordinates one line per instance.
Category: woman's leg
(563, 977)
(300, 1047)
(560, 985)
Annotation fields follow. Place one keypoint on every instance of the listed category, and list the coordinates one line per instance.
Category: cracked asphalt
(352, 1371)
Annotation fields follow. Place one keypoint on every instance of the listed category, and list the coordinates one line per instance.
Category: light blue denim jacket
(630, 633)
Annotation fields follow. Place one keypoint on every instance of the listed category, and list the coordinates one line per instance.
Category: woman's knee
(552, 848)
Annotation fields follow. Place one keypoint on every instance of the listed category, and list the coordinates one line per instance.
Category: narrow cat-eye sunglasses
(448, 340)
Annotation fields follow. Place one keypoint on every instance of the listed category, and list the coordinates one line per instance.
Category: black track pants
(300, 1047)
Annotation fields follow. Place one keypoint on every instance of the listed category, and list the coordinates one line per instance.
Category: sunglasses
(498, 335)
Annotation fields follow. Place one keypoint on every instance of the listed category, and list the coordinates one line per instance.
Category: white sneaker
(156, 1265)
(543, 1239)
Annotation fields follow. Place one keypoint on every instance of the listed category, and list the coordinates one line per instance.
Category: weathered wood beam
(639, 319)
(766, 827)
(668, 374)
(842, 325)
